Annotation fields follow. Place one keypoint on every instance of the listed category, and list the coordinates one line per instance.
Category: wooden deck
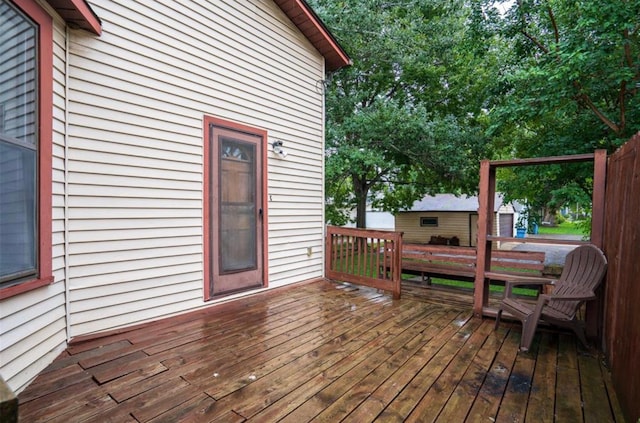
(324, 352)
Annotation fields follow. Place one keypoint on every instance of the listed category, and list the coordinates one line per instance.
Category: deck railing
(357, 255)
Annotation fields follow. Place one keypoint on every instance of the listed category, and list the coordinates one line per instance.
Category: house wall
(127, 209)
(33, 326)
(449, 224)
(136, 149)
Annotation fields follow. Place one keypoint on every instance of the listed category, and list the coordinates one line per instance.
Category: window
(429, 221)
(25, 146)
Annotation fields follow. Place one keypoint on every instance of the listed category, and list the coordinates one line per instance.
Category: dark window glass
(429, 221)
(18, 145)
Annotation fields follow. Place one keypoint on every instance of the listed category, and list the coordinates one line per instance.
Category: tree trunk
(361, 190)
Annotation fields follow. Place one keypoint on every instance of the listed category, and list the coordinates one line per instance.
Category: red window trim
(210, 120)
(45, 118)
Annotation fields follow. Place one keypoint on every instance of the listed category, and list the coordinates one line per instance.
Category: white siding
(33, 325)
(138, 94)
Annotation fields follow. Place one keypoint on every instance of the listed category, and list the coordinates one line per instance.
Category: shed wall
(460, 224)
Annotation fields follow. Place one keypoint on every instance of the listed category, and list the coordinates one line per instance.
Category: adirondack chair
(583, 271)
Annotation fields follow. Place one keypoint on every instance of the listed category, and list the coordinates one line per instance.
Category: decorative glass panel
(237, 206)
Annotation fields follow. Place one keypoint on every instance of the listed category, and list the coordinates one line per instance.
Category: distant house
(156, 157)
(448, 216)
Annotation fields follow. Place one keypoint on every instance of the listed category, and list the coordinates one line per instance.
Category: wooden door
(236, 259)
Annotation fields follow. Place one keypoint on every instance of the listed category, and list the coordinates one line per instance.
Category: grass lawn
(565, 228)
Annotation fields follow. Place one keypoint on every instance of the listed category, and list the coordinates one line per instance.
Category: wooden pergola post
(486, 199)
(594, 311)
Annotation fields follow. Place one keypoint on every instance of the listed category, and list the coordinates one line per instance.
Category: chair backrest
(584, 269)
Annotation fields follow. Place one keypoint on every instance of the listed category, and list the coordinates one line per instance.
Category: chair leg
(529, 327)
(498, 318)
(579, 331)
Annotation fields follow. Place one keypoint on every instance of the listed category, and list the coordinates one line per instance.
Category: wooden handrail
(356, 255)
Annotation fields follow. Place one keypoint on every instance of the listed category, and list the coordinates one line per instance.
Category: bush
(560, 219)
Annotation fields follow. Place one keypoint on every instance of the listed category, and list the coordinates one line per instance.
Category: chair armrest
(509, 284)
(584, 297)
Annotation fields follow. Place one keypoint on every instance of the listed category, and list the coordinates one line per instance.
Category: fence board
(622, 247)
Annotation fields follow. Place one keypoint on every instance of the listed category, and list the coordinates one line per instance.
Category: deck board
(324, 352)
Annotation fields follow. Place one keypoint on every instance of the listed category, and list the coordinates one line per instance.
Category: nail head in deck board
(543, 388)
(223, 360)
(568, 400)
(61, 402)
(593, 394)
(87, 411)
(390, 377)
(237, 369)
(362, 362)
(327, 356)
(376, 352)
(328, 395)
(461, 400)
(87, 354)
(338, 366)
(415, 388)
(384, 395)
(488, 399)
(436, 397)
(514, 402)
(124, 387)
(194, 406)
(119, 366)
(161, 398)
(616, 410)
(54, 381)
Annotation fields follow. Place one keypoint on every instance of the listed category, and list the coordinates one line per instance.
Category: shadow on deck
(328, 352)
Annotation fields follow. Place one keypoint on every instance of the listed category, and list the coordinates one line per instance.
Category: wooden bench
(459, 263)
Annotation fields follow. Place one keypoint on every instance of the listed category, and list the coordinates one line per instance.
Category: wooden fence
(357, 255)
(622, 300)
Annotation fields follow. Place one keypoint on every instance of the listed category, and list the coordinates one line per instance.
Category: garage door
(506, 225)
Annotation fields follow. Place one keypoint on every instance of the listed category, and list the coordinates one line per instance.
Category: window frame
(44, 52)
(424, 224)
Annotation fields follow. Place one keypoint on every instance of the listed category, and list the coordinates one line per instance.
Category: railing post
(485, 223)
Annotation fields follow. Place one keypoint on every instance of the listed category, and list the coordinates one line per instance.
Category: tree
(570, 86)
(407, 118)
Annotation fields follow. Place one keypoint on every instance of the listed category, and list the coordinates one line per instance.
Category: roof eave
(78, 14)
(316, 32)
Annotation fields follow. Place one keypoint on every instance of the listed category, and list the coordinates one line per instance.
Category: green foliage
(436, 86)
(572, 78)
(569, 86)
(408, 117)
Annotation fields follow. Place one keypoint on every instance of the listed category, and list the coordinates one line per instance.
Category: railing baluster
(357, 257)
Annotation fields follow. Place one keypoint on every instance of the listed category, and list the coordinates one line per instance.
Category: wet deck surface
(325, 352)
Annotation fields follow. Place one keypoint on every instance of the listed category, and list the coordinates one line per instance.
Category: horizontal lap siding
(33, 326)
(137, 100)
(449, 224)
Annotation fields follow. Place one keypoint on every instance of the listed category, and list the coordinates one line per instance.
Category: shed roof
(78, 13)
(451, 203)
